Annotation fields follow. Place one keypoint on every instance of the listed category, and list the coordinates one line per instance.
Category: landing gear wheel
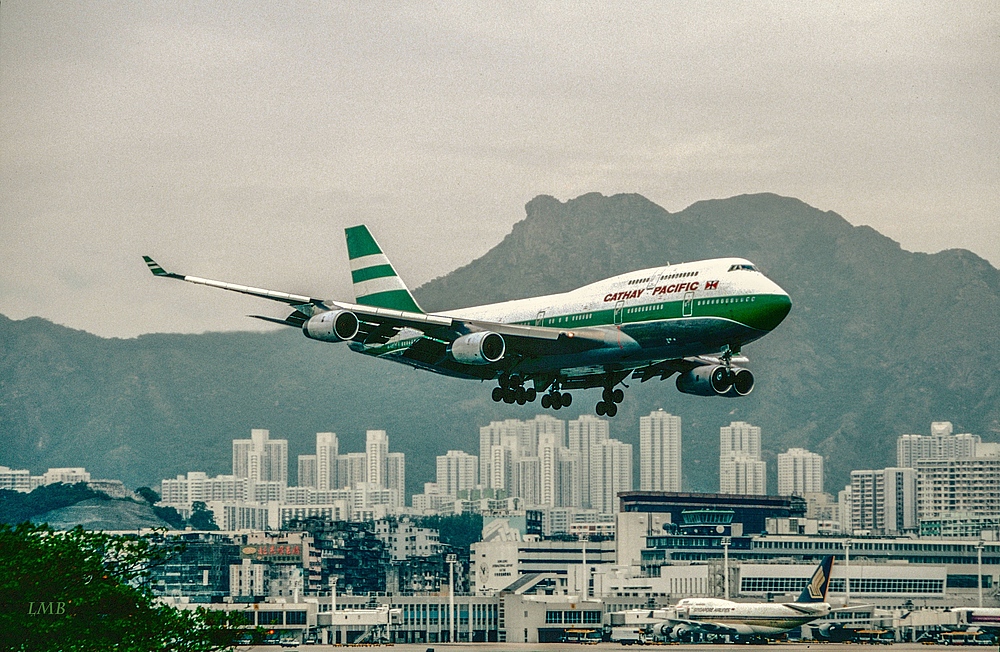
(601, 408)
(617, 396)
(498, 394)
(612, 409)
(567, 400)
(509, 396)
(607, 395)
(520, 396)
(530, 395)
(556, 401)
(546, 401)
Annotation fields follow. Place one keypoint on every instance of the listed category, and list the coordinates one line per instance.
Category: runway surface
(577, 647)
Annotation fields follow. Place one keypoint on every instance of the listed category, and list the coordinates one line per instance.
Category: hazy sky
(237, 140)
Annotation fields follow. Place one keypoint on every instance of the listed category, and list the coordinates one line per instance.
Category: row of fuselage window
(639, 281)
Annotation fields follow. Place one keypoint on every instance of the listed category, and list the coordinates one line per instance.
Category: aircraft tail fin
(815, 590)
(376, 282)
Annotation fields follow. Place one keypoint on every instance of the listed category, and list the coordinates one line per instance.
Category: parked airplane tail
(815, 590)
(376, 282)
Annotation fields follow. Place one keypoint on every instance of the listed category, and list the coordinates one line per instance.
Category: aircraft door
(687, 308)
(618, 312)
(653, 280)
(540, 318)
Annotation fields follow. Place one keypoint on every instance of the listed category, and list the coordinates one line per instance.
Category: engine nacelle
(708, 380)
(742, 383)
(484, 347)
(332, 326)
(671, 632)
(716, 380)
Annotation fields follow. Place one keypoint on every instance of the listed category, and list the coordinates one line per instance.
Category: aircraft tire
(497, 394)
(531, 394)
(567, 400)
(618, 396)
(607, 395)
(556, 401)
(546, 401)
(601, 408)
(612, 409)
(508, 396)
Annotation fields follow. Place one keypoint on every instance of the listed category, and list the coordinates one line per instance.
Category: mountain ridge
(880, 342)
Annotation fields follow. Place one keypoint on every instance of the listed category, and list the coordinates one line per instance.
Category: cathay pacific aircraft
(690, 319)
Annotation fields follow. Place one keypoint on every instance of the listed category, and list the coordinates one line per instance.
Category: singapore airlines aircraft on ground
(690, 319)
(748, 620)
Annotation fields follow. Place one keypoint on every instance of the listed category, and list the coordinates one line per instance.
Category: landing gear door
(618, 312)
(688, 305)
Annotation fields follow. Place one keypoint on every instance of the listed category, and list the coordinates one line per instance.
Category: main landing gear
(556, 399)
(609, 406)
(511, 390)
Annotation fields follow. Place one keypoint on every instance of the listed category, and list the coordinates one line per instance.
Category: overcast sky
(237, 140)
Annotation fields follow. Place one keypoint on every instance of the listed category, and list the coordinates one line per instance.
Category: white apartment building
(376, 452)
(610, 473)
(941, 444)
(456, 471)
(307, 471)
(327, 451)
(742, 474)
(182, 491)
(970, 485)
(884, 501)
(584, 434)
(740, 437)
(800, 472)
(741, 471)
(15, 479)
(405, 540)
(660, 452)
(260, 458)
(352, 469)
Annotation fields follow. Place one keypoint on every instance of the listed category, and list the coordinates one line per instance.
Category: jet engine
(671, 632)
(332, 326)
(484, 347)
(742, 383)
(716, 380)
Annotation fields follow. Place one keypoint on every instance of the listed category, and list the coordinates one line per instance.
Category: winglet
(376, 282)
(815, 590)
(157, 270)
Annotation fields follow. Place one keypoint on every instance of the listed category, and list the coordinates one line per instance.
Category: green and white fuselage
(690, 319)
(655, 314)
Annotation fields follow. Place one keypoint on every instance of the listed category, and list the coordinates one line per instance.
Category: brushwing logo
(816, 584)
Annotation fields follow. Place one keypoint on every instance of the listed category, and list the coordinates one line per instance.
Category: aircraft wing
(378, 325)
(680, 625)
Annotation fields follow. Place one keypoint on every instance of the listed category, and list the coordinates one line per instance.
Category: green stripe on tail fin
(376, 282)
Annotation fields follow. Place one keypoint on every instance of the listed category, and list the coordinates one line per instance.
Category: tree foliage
(17, 506)
(458, 530)
(202, 518)
(83, 591)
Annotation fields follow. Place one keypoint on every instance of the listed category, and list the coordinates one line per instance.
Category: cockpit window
(742, 266)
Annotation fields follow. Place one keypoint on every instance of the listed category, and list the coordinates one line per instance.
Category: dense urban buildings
(565, 539)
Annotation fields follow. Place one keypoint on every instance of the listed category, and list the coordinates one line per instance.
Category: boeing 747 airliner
(690, 319)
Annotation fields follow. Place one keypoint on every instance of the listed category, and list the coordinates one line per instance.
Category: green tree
(83, 591)
(148, 494)
(202, 517)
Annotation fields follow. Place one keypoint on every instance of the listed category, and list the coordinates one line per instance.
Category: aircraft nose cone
(771, 310)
